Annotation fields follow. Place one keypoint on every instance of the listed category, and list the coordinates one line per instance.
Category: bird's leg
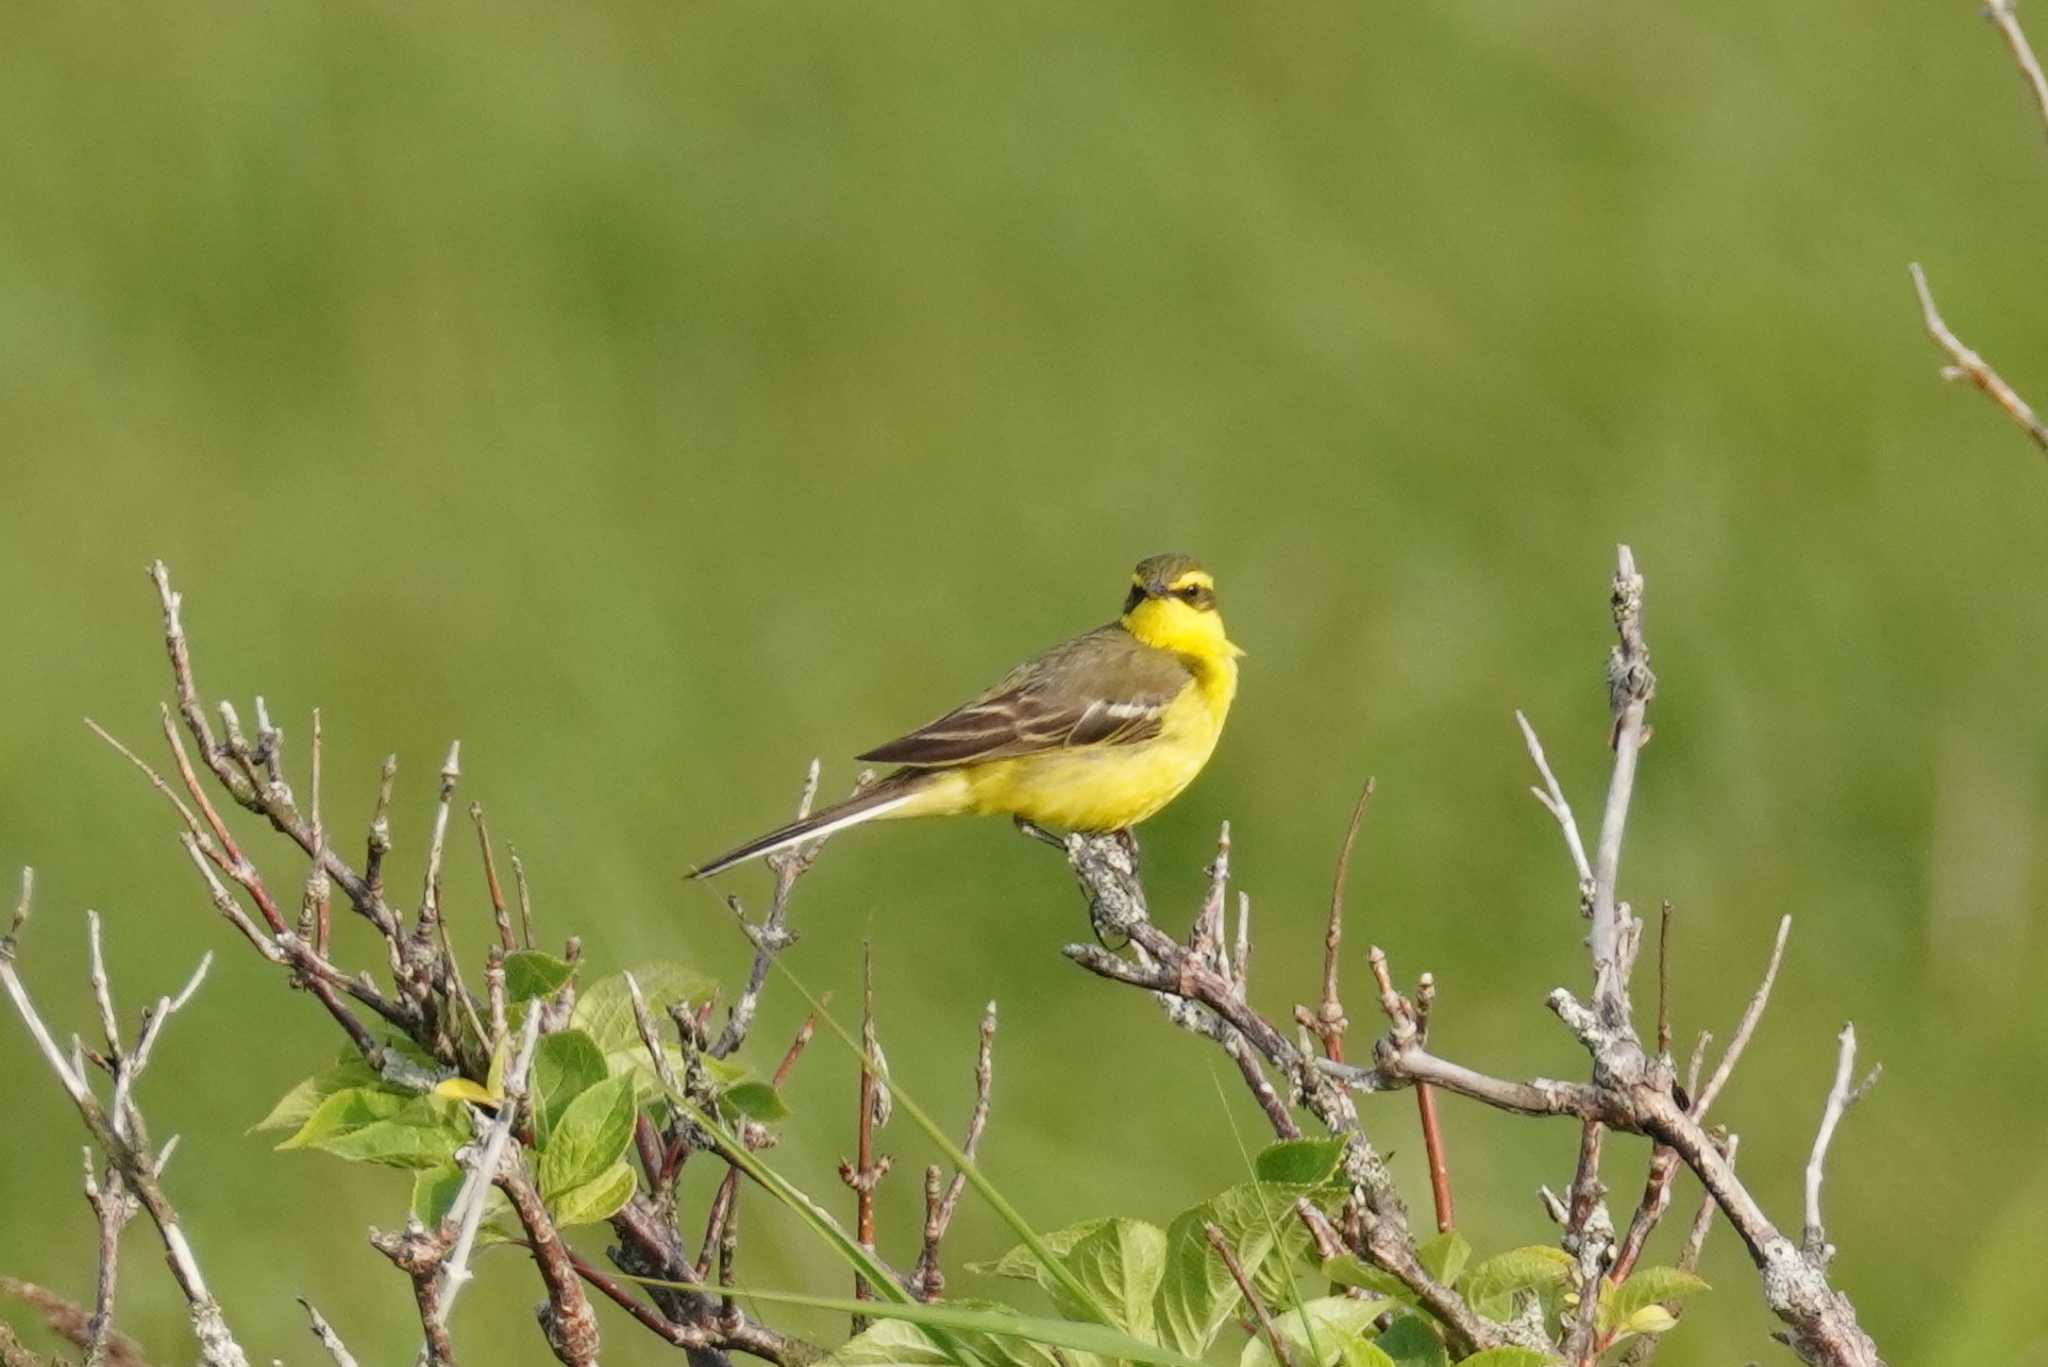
(1039, 833)
(1128, 838)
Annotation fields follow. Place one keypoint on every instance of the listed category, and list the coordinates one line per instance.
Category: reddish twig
(1252, 1298)
(865, 1173)
(491, 884)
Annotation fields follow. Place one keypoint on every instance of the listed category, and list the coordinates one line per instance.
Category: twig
(525, 897)
(865, 1173)
(1965, 364)
(1409, 1020)
(1251, 1293)
(137, 1167)
(1210, 1001)
(1656, 1198)
(324, 1332)
(1551, 795)
(319, 894)
(1645, 1347)
(1328, 1020)
(491, 884)
(467, 1212)
(112, 1208)
(927, 1281)
(2005, 14)
(1664, 981)
(772, 935)
(1746, 1027)
(796, 1045)
(567, 1320)
(1841, 1097)
(1630, 686)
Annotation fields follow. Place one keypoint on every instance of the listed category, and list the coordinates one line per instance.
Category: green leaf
(605, 1010)
(591, 1135)
(1300, 1162)
(1075, 1335)
(757, 1101)
(345, 1112)
(296, 1107)
(1363, 1353)
(1651, 1319)
(565, 1065)
(1412, 1342)
(362, 1126)
(1508, 1357)
(1346, 1270)
(1492, 1284)
(598, 1199)
(1337, 1321)
(530, 974)
(1648, 1286)
(889, 1343)
(1445, 1256)
(1197, 1293)
(1020, 1263)
(1121, 1262)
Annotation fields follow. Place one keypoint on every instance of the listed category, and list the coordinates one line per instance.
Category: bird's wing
(1103, 688)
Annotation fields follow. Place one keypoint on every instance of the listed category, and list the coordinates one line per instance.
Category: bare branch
(1551, 795)
(497, 892)
(772, 935)
(467, 1213)
(2005, 14)
(1965, 364)
(1251, 1293)
(867, 1170)
(1630, 686)
(1746, 1027)
(927, 1281)
(1327, 1020)
(328, 1339)
(1841, 1097)
(126, 1155)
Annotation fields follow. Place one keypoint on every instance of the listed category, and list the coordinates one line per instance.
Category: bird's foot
(1039, 833)
(1128, 838)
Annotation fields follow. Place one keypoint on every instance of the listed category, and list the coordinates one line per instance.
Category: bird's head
(1172, 605)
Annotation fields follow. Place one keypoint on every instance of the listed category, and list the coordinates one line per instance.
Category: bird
(1095, 735)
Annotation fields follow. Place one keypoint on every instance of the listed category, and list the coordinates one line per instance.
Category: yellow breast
(1109, 787)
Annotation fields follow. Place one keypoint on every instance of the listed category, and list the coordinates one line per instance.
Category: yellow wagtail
(1095, 734)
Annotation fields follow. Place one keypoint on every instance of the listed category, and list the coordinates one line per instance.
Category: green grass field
(655, 397)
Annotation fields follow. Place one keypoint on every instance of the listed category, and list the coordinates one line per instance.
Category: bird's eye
(1193, 593)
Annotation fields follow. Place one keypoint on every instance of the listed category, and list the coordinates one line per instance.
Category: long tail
(879, 800)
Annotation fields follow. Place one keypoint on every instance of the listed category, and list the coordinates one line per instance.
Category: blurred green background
(654, 397)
